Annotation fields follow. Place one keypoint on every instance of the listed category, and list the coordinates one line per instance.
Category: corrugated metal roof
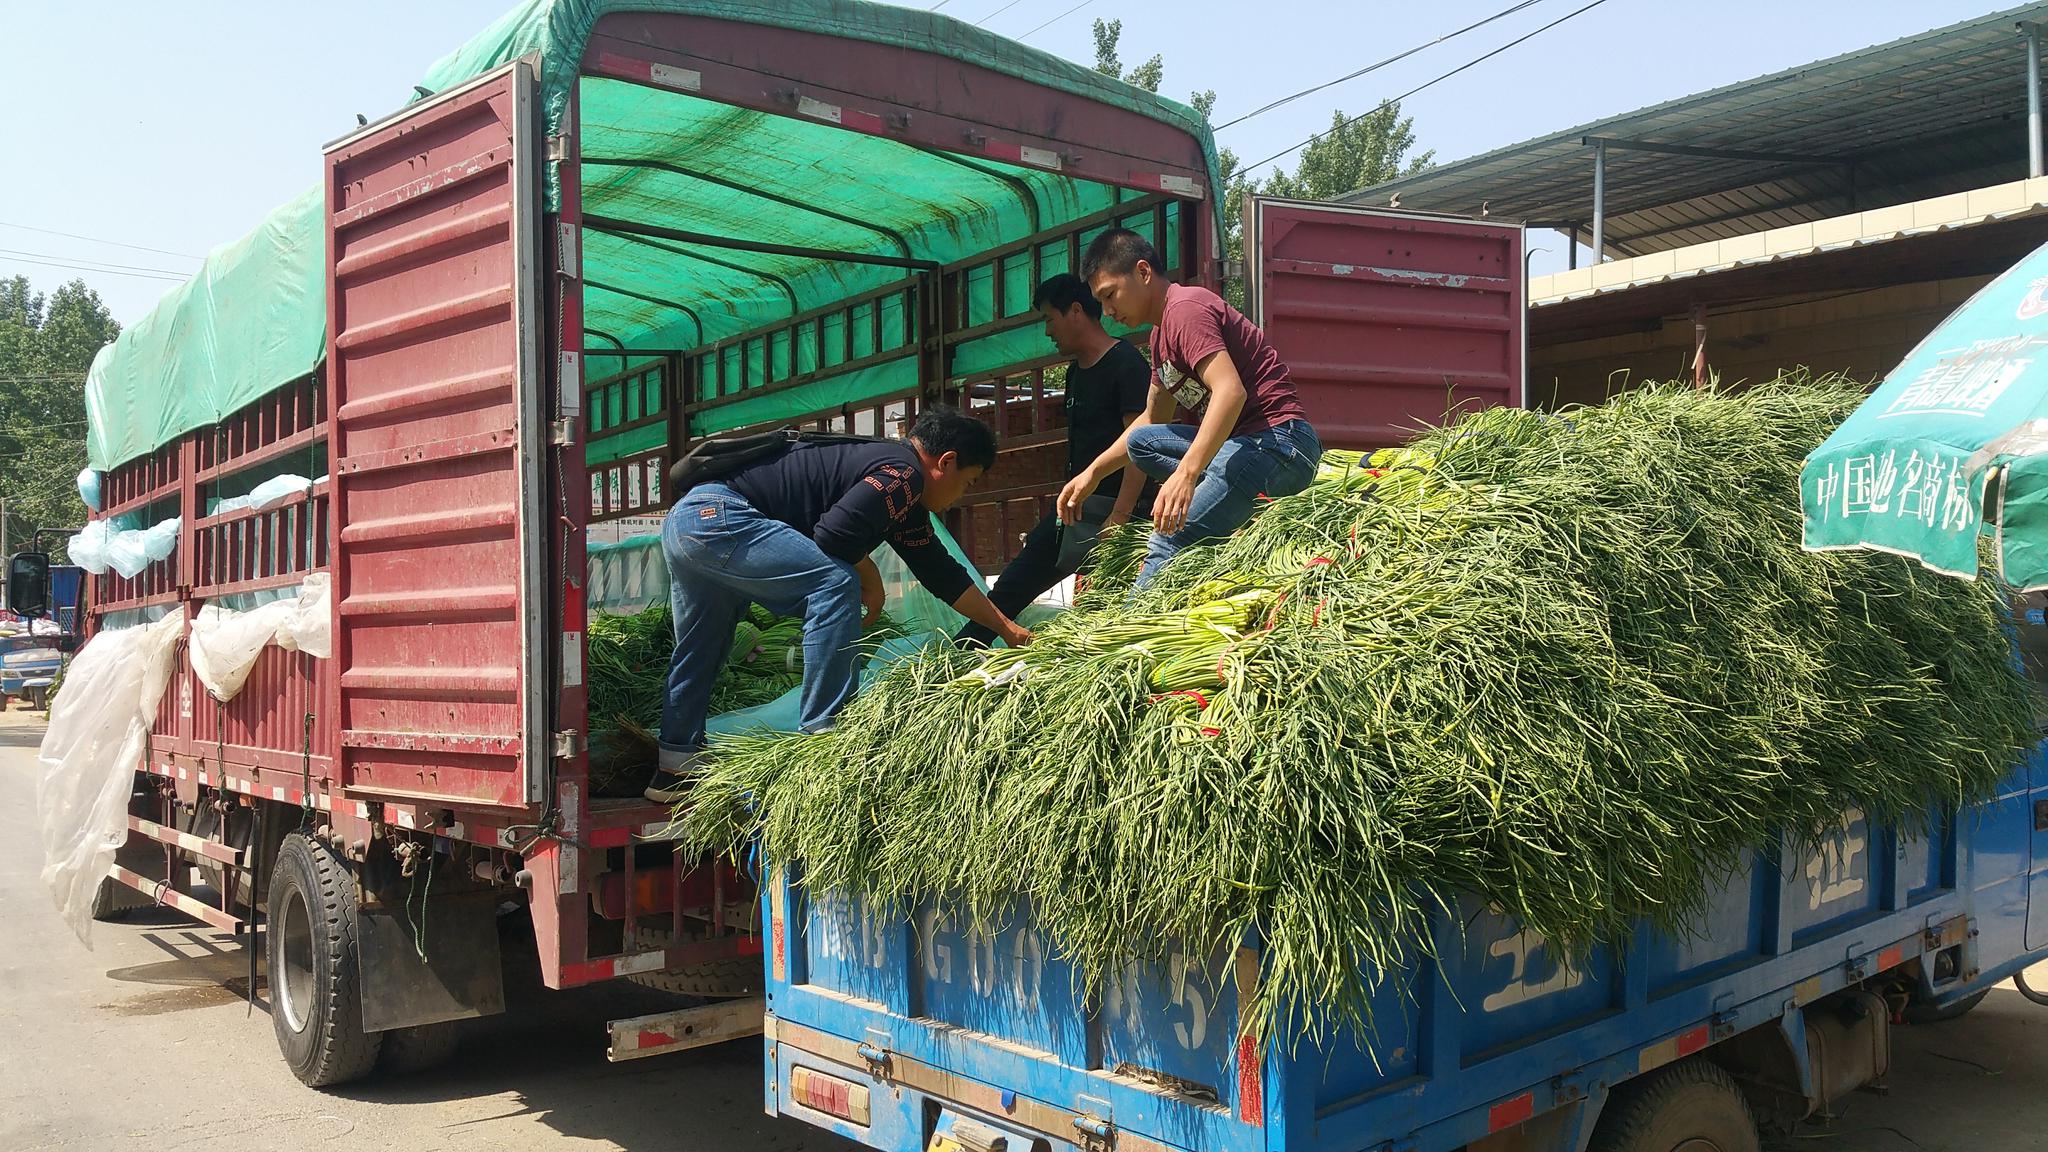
(1941, 112)
(2021, 199)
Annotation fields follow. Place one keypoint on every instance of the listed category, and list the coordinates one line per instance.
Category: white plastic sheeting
(271, 491)
(127, 551)
(225, 643)
(99, 726)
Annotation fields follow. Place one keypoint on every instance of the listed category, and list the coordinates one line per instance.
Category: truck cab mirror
(28, 583)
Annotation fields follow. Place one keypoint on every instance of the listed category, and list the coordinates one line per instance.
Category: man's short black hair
(1116, 252)
(940, 430)
(1065, 290)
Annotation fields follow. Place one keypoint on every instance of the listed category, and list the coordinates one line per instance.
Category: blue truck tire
(1691, 1106)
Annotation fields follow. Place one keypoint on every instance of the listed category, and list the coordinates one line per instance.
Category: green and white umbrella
(1954, 445)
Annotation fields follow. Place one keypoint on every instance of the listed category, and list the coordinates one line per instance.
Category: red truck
(612, 229)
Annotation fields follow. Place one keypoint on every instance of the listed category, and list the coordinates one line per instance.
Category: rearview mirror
(28, 583)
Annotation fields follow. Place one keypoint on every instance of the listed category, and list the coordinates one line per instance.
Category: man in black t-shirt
(792, 533)
(1106, 390)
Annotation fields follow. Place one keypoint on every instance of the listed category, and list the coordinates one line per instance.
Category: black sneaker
(673, 778)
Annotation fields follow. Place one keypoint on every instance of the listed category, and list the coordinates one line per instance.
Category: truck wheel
(315, 990)
(1918, 1013)
(1692, 1106)
(735, 977)
(418, 1048)
(107, 903)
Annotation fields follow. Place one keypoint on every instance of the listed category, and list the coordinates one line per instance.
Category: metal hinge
(557, 148)
(568, 744)
(563, 431)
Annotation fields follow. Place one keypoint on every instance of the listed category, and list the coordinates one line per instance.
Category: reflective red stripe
(625, 67)
(1691, 1042)
(1251, 1087)
(1509, 1113)
(588, 972)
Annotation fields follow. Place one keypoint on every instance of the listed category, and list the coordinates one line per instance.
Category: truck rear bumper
(898, 1104)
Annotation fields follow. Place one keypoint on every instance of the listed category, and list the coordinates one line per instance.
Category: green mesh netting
(255, 317)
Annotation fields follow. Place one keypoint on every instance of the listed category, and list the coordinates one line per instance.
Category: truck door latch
(1095, 1135)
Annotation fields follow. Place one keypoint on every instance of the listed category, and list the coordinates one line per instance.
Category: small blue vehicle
(917, 1034)
(32, 657)
(29, 665)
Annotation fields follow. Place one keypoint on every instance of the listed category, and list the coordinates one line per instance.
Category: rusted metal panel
(1388, 321)
(432, 225)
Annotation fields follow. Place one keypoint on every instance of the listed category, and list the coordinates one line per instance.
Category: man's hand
(1016, 635)
(872, 597)
(1076, 493)
(1170, 507)
(1114, 518)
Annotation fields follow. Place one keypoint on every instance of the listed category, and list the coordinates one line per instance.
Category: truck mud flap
(446, 968)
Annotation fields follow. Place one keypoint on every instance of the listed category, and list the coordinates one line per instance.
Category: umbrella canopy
(1953, 445)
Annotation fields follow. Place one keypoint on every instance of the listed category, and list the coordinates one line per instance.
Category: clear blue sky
(177, 125)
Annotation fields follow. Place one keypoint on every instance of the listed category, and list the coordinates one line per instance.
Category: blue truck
(922, 1034)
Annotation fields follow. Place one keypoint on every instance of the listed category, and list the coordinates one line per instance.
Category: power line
(107, 264)
(97, 240)
(1056, 19)
(1397, 57)
(997, 12)
(1348, 121)
(173, 277)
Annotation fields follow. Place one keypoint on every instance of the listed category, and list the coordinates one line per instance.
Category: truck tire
(315, 989)
(1919, 1013)
(716, 979)
(107, 903)
(418, 1048)
(1692, 1106)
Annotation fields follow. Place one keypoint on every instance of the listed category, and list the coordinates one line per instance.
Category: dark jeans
(1037, 567)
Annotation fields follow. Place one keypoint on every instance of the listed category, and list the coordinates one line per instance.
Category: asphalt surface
(147, 1042)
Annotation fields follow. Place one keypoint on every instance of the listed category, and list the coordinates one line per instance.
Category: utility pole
(3, 550)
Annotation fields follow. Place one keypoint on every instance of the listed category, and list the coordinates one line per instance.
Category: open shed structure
(1828, 215)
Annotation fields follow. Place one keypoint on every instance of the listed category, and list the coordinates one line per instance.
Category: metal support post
(1699, 345)
(1599, 200)
(2033, 35)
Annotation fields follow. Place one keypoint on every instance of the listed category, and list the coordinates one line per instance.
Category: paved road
(145, 1043)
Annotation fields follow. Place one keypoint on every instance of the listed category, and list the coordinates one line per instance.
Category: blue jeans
(723, 553)
(1279, 461)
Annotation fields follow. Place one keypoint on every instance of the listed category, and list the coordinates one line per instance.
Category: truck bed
(938, 1023)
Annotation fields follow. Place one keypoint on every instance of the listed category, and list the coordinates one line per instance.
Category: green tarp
(254, 319)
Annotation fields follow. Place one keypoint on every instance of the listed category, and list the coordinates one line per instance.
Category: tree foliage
(1353, 153)
(46, 345)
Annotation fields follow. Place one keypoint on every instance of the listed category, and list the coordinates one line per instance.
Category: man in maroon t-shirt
(1207, 358)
